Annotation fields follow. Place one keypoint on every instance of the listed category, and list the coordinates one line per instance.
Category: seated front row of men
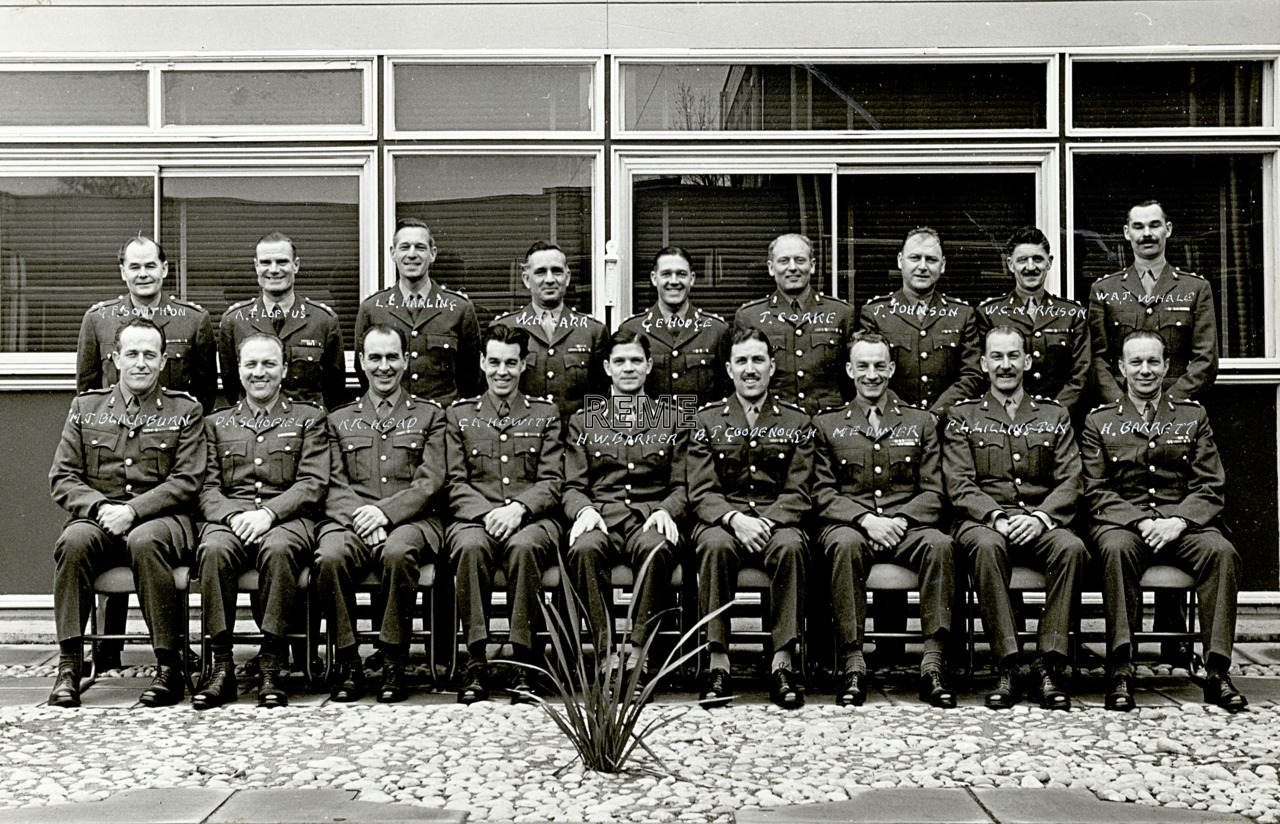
(391, 481)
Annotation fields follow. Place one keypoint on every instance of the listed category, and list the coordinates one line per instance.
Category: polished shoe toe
(522, 689)
(217, 689)
(853, 690)
(473, 685)
(348, 683)
(717, 689)
(166, 688)
(1120, 696)
(271, 693)
(934, 690)
(392, 690)
(1052, 695)
(1219, 690)
(66, 687)
(1005, 694)
(785, 691)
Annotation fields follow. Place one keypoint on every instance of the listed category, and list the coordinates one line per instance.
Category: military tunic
(689, 353)
(566, 366)
(152, 459)
(443, 337)
(1057, 336)
(313, 349)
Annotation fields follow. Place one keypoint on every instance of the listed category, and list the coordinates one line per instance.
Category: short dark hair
(412, 223)
(277, 237)
(1144, 204)
(868, 337)
(1004, 329)
(807, 242)
(624, 337)
(258, 336)
(501, 333)
(543, 246)
(141, 323)
(749, 333)
(672, 250)
(141, 238)
(386, 329)
(1027, 234)
(923, 230)
(1145, 334)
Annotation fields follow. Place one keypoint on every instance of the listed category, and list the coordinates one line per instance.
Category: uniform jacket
(280, 462)
(936, 351)
(188, 333)
(152, 459)
(689, 353)
(810, 346)
(567, 366)
(1165, 469)
(764, 471)
(1180, 310)
(313, 349)
(492, 460)
(443, 336)
(895, 470)
(396, 464)
(1057, 341)
(620, 468)
(1029, 464)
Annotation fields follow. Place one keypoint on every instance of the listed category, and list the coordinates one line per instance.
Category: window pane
(1205, 93)
(58, 242)
(834, 97)
(73, 99)
(210, 225)
(975, 212)
(318, 97)
(535, 98)
(726, 223)
(1214, 204)
(485, 212)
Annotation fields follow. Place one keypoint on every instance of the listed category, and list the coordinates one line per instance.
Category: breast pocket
(442, 352)
(697, 370)
(528, 447)
(824, 345)
(407, 447)
(99, 451)
(305, 363)
(853, 467)
(1175, 328)
(357, 458)
(234, 457)
(991, 460)
(730, 459)
(1057, 354)
(283, 455)
(904, 465)
(1040, 459)
(175, 366)
(944, 352)
(158, 449)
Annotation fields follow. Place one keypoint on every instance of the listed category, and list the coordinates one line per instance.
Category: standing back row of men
(746, 480)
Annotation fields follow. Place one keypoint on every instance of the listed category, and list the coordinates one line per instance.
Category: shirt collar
(283, 306)
(1140, 404)
(260, 411)
(393, 398)
(409, 296)
(1004, 399)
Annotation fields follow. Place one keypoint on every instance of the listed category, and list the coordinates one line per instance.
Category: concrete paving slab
(185, 805)
(914, 806)
(26, 655)
(113, 692)
(315, 806)
(1053, 806)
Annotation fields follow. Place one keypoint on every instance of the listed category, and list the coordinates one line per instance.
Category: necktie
(1149, 412)
(1033, 308)
(1148, 281)
(1011, 408)
(548, 324)
(277, 319)
(873, 417)
(384, 409)
(753, 412)
(503, 410)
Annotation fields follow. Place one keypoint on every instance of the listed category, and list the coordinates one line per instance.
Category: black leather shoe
(1005, 694)
(852, 691)
(348, 683)
(166, 689)
(784, 691)
(473, 684)
(717, 689)
(934, 690)
(1219, 690)
(1120, 698)
(1048, 687)
(272, 693)
(522, 688)
(393, 690)
(218, 688)
(66, 688)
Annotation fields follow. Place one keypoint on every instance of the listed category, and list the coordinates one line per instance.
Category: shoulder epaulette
(961, 401)
(1182, 272)
(102, 303)
(345, 405)
(1105, 405)
(507, 315)
(995, 299)
(1047, 401)
(179, 393)
(1187, 401)
(184, 302)
(460, 401)
(101, 391)
(877, 298)
(540, 399)
(713, 404)
(240, 304)
(633, 317)
(314, 302)
(949, 299)
(764, 299)
(226, 408)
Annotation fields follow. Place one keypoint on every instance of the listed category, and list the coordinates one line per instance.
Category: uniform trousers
(1205, 554)
(591, 561)
(279, 557)
(475, 553)
(1058, 551)
(785, 559)
(343, 560)
(850, 553)
(152, 548)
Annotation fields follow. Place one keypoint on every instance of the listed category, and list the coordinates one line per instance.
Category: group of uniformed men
(923, 432)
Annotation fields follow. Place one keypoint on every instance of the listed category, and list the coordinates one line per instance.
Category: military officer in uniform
(690, 346)
(566, 347)
(1155, 485)
(1055, 328)
(808, 331)
(308, 328)
(1153, 295)
(438, 323)
(505, 472)
(749, 465)
(934, 338)
(1012, 471)
(387, 468)
(127, 470)
(878, 494)
(268, 471)
(625, 495)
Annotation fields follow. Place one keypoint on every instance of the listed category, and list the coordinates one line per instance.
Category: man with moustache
(878, 493)
(1012, 471)
(624, 493)
(567, 346)
(439, 324)
(1155, 486)
(808, 331)
(749, 465)
(689, 346)
(267, 475)
(1055, 328)
(387, 467)
(309, 330)
(504, 463)
(127, 470)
